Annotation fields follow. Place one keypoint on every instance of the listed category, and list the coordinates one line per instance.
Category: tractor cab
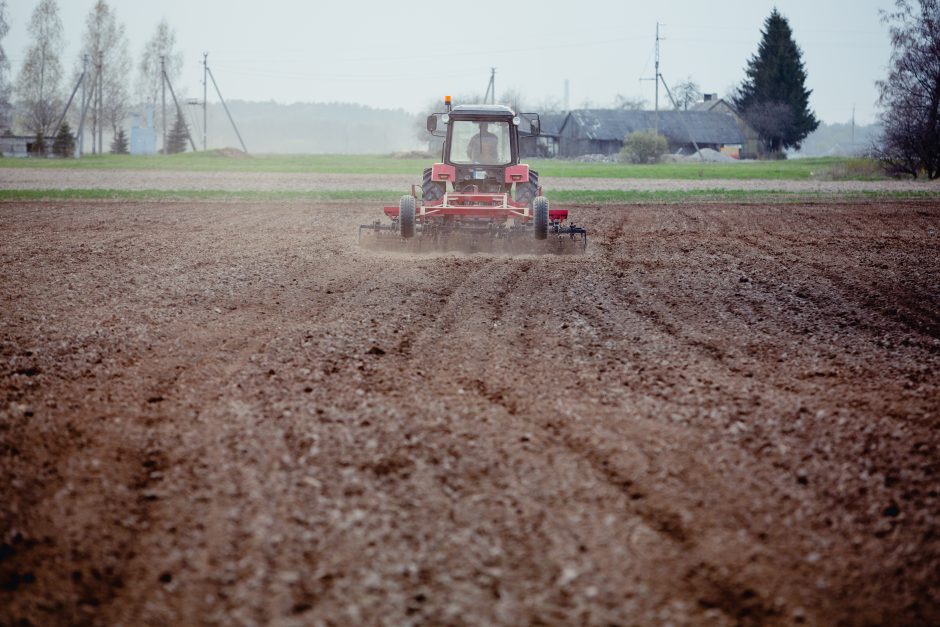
(480, 143)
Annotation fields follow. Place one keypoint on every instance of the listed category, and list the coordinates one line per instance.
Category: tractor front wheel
(406, 216)
(540, 215)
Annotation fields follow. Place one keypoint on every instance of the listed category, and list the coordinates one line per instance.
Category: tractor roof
(483, 111)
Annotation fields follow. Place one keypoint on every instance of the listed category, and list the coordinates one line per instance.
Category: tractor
(479, 197)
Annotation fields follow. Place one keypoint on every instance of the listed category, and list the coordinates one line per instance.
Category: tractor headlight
(445, 118)
(515, 120)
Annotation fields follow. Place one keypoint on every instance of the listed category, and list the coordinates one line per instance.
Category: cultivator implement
(474, 222)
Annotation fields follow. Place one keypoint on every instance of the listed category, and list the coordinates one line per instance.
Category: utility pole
(228, 113)
(81, 121)
(179, 113)
(491, 88)
(853, 130)
(100, 82)
(94, 112)
(163, 96)
(682, 119)
(493, 85)
(656, 78)
(80, 83)
(205, 91)
(567, 94)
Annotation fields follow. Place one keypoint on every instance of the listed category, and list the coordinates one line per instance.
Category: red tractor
(479, 197)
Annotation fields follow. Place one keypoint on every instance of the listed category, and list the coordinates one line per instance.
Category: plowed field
(229, 413)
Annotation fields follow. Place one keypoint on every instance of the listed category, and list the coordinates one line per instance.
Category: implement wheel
(406, 216)
(540, 214)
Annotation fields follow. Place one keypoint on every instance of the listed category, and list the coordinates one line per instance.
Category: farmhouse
(752, 143)
(19, 145)
(602, 131)
(546, 144)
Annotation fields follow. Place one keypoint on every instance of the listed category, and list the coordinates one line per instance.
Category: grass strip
(824, 168)
(580, 197)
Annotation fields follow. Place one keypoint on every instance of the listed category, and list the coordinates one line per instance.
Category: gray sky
(403, 54)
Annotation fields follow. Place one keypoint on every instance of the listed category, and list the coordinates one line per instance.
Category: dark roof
(708, 105)
(551, 123)
(706, 127)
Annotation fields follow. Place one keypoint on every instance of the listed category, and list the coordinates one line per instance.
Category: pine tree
(64, 144)
(39, 144)
(773, 98)
(119, 144)
(178, 136)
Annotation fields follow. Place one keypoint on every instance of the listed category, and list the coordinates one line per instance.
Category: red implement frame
(476, 205)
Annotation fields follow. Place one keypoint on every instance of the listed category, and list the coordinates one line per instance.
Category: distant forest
(271, 127)
(835, 140)
(338, 128)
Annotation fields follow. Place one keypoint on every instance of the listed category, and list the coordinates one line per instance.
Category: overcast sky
(402, 54)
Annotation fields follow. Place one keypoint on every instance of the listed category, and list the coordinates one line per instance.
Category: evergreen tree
(64, 144)
(773, 98)
(119, 145)
(178, 137)
(39, 144)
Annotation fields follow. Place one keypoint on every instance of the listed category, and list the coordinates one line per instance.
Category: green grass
(212, 161)
(189, 194)
(560, 197)
(791, 170)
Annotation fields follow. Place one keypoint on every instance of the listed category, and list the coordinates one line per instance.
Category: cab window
(486, 143)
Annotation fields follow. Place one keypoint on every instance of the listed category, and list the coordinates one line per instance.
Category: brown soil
(229, 413)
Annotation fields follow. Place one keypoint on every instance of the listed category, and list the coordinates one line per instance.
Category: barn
(602, 131)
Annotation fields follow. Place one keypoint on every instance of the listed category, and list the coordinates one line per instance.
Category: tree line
(34, 101)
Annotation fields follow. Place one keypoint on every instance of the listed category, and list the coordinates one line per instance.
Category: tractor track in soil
(228, 413)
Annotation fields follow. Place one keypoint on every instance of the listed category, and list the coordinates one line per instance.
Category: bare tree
(549, 104)
(6, 108)
(910, 95)
(39, 82)
(512, 98)
(161, 46)
(116, 94)
(686, 93)
(628, 103)
(105, 46)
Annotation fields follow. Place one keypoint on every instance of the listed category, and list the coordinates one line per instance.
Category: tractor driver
(483, 146)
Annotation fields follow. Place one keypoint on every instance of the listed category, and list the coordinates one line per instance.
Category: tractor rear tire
(406, 216)
(540, 217)
(431, 190)
(526, 192)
